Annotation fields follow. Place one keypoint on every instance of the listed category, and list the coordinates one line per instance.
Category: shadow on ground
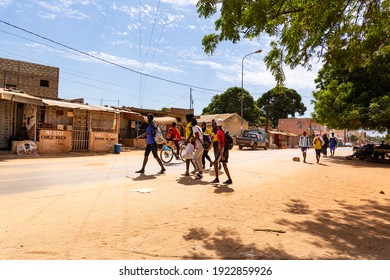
(225, 244)
(355, 232)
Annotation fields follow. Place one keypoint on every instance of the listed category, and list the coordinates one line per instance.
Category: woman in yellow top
(318, 143)
(207, 144)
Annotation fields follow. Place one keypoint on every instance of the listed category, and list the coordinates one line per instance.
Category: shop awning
(282, 133)
(277, 132)
(20, 97)
(80, 106)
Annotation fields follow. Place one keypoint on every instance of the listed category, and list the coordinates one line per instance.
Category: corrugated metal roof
(20, 97)
(277, 132)
(209, 118)
(80, 106)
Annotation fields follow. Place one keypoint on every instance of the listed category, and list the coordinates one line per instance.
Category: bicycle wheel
(166, 154)
(182, 148)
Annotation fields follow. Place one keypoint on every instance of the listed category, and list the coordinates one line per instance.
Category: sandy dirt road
(96, 207)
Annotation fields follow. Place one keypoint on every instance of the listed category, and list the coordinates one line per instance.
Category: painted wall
(102, 141)
(54, 141)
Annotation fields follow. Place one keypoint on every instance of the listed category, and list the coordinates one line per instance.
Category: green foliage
(354, 98)
(282, 103)
(327, 29)
(230, 102)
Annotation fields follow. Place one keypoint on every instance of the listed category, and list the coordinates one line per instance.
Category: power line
(105, 60)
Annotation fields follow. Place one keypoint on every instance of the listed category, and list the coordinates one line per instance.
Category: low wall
(102, 141)
(54, 141)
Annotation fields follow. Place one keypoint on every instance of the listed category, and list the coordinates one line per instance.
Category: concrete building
(31, 115)
(231, 122)
(34, 79)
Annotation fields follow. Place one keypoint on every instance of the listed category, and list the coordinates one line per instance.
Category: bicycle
(167, 152)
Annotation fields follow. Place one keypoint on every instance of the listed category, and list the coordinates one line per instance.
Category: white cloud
(5, 3)
(50, 16)
(62, 8)
(181, 2)
(126, 62)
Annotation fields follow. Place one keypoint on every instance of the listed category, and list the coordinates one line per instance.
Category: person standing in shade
(151, 145)
(198, 149)
(206, 144)
(223, 155)
(317, 143)
(326, 144)
(332, 144)
(304, 143)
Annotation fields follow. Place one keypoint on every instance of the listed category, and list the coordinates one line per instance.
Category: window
(44, 83)
(299, 125)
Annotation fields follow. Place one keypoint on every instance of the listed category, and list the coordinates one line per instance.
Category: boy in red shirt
(223, 155)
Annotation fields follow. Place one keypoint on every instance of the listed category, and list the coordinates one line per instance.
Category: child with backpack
(151, 145)
(223, 153)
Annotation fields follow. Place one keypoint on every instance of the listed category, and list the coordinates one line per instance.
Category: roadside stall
(18, 118)
(66, 126)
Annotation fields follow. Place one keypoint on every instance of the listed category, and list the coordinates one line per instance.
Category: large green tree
(280, 103)
(357, 98)
(303, 29)
(230, 102)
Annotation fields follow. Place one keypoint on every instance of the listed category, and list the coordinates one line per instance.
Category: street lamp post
(242, 84)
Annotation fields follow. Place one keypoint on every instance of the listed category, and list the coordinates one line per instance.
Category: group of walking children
(199, 140)
(320, 145)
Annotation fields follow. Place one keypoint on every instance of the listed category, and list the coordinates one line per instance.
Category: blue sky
(162, 39)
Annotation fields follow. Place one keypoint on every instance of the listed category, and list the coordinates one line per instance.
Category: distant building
(299, 125)
(231, 122)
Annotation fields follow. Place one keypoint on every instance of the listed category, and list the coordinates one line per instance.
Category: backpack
(158, 136)
(206, 141)
(169, 134)
(228, 140)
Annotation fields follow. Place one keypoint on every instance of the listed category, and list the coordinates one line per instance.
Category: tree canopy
(303, 30)
(351, 37)
(281, 102)
(230, 102)
(357, 98)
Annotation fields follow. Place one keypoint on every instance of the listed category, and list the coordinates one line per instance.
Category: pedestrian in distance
(189, 141)
(198, 148)
(304, 143)
(325, 145)
(151, 145)
(206, 144)
(332, 144)
(214, 130)
(223, 155)
(317, 143)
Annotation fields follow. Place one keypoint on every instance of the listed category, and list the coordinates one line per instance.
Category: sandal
(161, 171)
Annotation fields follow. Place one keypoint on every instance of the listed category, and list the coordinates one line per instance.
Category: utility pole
(191, 100)
(267, 113)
